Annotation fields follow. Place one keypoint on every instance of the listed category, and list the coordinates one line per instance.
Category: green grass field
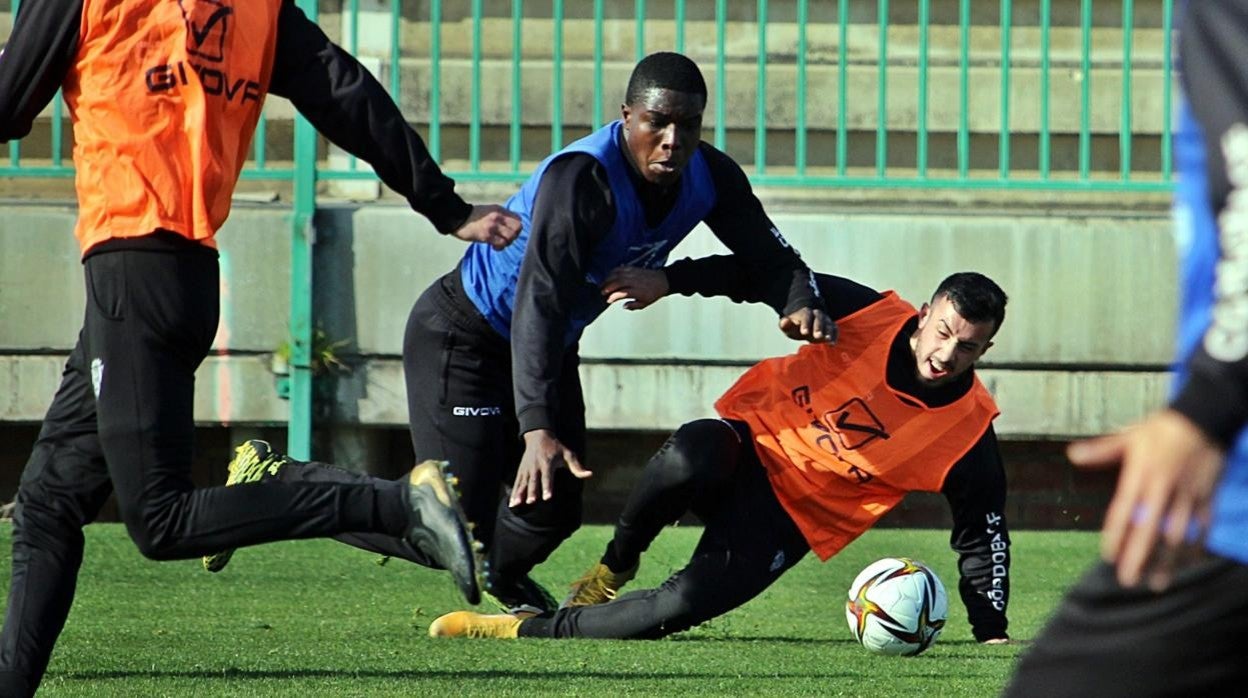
(315, 618)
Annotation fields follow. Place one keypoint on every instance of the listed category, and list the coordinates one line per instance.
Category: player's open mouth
(936, 369)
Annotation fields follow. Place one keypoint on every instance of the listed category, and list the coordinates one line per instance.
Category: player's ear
(625, 112)
(924, 312)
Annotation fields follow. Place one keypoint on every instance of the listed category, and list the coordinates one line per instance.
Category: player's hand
(543, 454)
(490, 224)
(1160, 509)
(997, 641)
(643, 286)
(810, 325)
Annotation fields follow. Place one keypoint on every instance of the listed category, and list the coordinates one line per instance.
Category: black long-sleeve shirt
(326, 84)
(975, 487)
(574, 209)
(1214, 65)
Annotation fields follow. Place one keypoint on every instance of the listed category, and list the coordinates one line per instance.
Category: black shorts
(1105, 640)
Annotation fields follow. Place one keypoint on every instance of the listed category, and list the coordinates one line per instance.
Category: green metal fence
(996, 94)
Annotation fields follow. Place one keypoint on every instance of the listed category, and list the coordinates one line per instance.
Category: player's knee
(148, 535)
(696, 452)
(41, 522)
(680, 610)
(145, 541)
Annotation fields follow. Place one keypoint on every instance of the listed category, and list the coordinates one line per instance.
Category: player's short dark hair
(666, 71)
(976, 297)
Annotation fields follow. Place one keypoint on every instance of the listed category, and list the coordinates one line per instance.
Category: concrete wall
(1083, 348)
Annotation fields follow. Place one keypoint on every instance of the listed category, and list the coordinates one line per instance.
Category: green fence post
(556, 82)
(680, 26)
(842, 88)
(639, 28)
(964, 51)
(1046, 22)
(921, 146)
(261, 139)
(517, 96)
(799, 142)
(1124, 128)
(598, 20)
(58, 109)
(1003, 143)
(1167, 24)
(435, 79)
(396, 49)
(15, 146)
(1085, 90)
(881, 107)
(302, 237)
(721, 71)
(353, 45)
(474, 128)
(760, 93)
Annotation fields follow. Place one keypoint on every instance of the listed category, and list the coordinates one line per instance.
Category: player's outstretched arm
(345, 103)
(491, 224)
(35, 60)
(1160, 507)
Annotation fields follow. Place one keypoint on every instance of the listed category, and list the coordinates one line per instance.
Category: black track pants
(1105, 640)
(460, 404)
(749, 541)
(122, 420)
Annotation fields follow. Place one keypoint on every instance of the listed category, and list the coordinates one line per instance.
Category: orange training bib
(164, 96)
(840, 446)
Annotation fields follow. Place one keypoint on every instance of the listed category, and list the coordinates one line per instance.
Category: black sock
(393, 514)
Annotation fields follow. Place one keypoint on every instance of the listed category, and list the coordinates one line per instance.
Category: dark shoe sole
(440, 527)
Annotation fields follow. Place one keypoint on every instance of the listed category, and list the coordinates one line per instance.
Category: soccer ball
(896, 606)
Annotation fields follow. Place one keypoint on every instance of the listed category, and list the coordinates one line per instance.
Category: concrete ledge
(239, 390)
(1092, 289)
(1034, 404)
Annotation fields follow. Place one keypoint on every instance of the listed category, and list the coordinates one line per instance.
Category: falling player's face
(661, 130)
(946, 345)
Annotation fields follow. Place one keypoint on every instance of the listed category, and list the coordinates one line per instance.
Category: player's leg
(442, 359)
(747, 545)
(62, 488)
(460, 408)
(691, 472)
(156, 317)
(255, 462)
(526, 535)
(1105, 640)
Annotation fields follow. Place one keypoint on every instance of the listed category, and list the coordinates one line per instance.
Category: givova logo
(207, 28)
(207, 22)
(460, 411)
